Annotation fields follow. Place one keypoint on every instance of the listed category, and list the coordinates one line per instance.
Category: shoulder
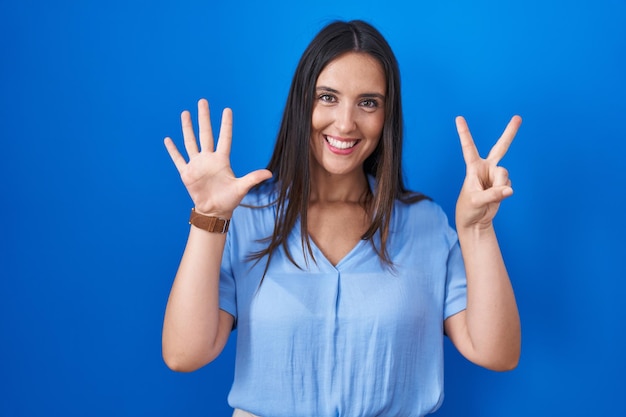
(425, 206)
(422, 210)
(422, 217)
(421, 228)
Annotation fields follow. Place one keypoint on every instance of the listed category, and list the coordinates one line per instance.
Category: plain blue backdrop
(94, 216)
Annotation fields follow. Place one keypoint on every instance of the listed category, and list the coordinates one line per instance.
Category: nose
(345, 118)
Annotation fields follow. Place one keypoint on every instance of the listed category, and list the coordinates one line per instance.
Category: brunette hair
(290, 161)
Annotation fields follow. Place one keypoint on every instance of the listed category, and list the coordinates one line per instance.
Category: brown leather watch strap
(209, 223)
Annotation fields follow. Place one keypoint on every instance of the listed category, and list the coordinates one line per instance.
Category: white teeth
(339, 144)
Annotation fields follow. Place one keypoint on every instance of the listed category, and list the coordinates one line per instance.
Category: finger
(470, 153)
(204, 126)
(177, 158)
(190, 138)
(500, 177)
(502, 145)
(226, 132)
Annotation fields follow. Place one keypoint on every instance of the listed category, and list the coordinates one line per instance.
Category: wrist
(476, 232)
(213, 213)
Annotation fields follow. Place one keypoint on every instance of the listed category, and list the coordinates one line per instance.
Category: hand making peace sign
(486, 184)
(208, 176)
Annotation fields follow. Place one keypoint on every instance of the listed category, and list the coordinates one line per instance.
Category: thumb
(254, 178)
(492, 195)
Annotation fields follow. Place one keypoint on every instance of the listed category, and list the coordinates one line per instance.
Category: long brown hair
(290, 160)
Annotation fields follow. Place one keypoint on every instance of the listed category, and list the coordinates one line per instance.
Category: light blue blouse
(351, 340)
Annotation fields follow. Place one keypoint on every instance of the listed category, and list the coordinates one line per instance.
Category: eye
(326, 98)
(370, 103)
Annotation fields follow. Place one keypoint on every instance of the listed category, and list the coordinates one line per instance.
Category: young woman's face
(348, 113)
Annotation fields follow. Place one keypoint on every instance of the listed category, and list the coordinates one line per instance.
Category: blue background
(94, 216)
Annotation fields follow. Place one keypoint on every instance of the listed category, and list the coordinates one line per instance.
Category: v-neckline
(319, 254)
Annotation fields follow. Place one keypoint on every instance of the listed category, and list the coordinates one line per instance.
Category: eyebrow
(332, 90)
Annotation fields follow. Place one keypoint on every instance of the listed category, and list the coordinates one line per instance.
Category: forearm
(492, 318)
(191, 322)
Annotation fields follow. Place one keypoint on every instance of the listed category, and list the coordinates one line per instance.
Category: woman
(340, 281)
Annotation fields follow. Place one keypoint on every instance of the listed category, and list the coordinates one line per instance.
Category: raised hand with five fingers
(207, 175)
(486, 183)
(195, 330)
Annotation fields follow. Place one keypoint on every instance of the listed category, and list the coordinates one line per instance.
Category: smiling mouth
(340, 144)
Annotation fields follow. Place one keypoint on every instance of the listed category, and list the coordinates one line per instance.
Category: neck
(327, 187)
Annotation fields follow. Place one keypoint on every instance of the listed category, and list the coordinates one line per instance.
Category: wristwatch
(209, 223)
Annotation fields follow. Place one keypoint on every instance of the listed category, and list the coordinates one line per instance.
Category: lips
(340, 144)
